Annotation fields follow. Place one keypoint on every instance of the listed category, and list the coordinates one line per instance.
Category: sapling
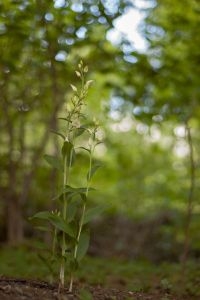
(69, 222)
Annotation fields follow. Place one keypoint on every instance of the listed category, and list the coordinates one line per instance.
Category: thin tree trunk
(52, 124)
(15, 233)
(14, 221)
(190, 202)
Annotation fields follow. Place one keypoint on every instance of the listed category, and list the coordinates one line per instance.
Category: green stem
(65, 181)
(54, 242)
(82, 218)
(62, 267)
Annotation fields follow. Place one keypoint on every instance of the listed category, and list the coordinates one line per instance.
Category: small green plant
(69, 223)
(85, 295)
(166, 285)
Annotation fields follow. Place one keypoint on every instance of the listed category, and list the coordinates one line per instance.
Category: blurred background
(143, 56)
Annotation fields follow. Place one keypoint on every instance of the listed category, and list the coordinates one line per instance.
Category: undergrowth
(113, 273)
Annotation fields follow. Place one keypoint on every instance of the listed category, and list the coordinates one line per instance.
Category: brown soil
(13, 289)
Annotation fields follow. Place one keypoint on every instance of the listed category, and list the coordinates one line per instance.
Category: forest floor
(13, 289)
(23, 277)
(113, 270)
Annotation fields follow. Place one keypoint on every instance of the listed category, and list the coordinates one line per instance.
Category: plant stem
(54, 242)
(65, 182)
(62, 267)
(82, 218)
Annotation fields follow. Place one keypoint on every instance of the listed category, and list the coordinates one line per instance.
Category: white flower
(73, 87)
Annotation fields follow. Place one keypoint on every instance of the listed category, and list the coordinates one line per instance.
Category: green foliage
(54, 161)
(85, 295)
(92, 213)
(137, 275)
(71, 216)
(83, 244)
(40, 42)
(172, 56)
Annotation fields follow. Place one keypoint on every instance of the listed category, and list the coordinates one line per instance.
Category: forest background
(147, 104)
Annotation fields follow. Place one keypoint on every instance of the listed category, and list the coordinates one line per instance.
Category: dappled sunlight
(126, 124)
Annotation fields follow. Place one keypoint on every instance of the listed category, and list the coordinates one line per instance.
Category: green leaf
(62, 225)
(46, 261)
(57, 221)
(92, 213)
(80, 190)
(43, 228)
(71, 192)
(65, 119)
(58, 133)
(83, 197)
(67, 148)
(83, 245)
(80, 130)
(88, 150)
(43, 215)
(68, 151)
(92, 172)
(73, 265)
(53, 161)
(72, 210)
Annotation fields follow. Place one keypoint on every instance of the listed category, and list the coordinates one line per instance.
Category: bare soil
(15, 289)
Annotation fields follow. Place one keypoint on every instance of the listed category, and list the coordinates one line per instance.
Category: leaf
(57, 221)
(65, 119)
(92, 172)
(62, 225)
(53, 161)
(58, 133)
(47, 262)
(88, 150)
(67, 148)
(98, 143)
(83, 245)
(73, 265)
(92, 213)
(68, 151)
(80, 130)
(80, 190)
(43, 228)
(83, 197)
(71, 192)
(72, 210)
(43, 215)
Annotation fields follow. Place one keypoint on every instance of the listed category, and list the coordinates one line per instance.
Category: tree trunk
(15, 232)
(190, 203)
(14, 221)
